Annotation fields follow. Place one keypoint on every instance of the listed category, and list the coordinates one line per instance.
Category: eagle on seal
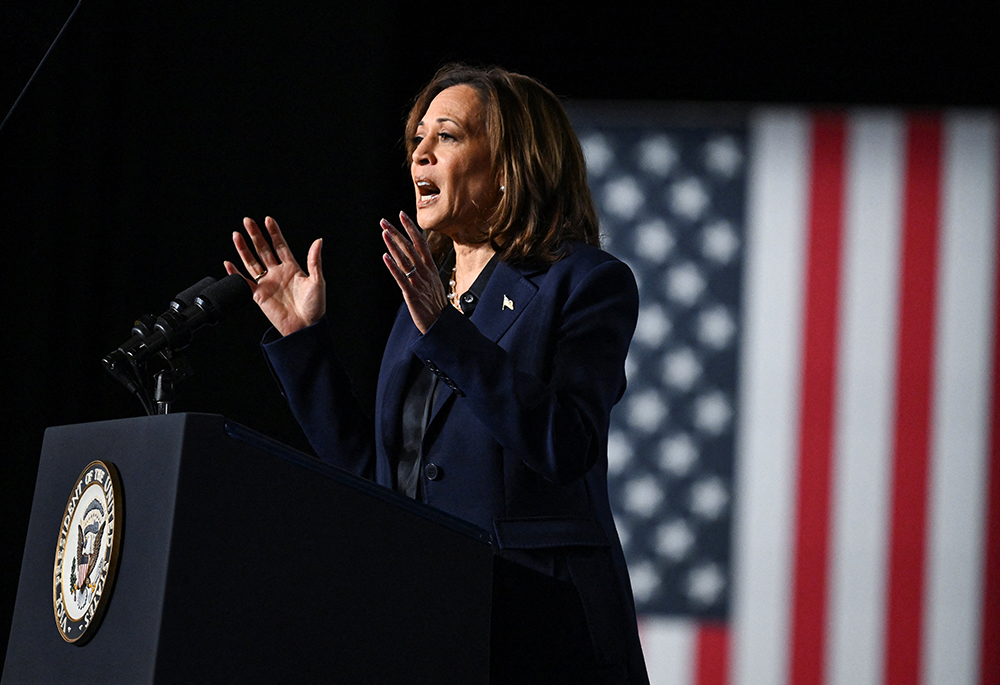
(86, 562)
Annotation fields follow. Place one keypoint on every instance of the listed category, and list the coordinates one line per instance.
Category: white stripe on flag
(669, 647)
(963, 374)
(866, 379)
(770, 360)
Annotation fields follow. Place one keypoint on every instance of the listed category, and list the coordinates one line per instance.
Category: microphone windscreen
(186, 297)
(226, 296)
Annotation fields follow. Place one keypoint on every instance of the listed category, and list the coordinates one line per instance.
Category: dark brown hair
(535, 155)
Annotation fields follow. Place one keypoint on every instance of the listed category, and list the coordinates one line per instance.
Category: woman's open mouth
(427, 192)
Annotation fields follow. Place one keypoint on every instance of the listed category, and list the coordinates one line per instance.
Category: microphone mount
(151, 364)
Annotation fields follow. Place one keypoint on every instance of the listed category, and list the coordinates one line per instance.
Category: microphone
(175, 328)
(145, 324)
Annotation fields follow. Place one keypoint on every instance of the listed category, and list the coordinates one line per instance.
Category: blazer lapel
(507, 294)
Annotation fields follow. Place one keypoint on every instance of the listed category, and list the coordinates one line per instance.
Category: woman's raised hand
(290, 297)
(411, 264)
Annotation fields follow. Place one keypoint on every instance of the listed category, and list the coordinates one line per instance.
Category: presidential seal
(87, 552)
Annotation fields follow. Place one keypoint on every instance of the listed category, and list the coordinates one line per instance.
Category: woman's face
(450, 166)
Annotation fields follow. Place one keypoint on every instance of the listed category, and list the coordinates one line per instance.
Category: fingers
(231, 269)
(412, 267)
(402, 267)
(420, 299)
(281, 248)
(400, 250)
(411, 293)
(314, 260)
(268, 257)
(260, 245)
(416, 252)
(397, 274)
(250, 262)
(418, 239)
(262, 257)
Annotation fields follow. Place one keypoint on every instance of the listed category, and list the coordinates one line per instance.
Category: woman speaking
(500, 372)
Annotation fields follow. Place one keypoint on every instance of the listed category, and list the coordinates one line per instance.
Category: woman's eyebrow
(441, 120)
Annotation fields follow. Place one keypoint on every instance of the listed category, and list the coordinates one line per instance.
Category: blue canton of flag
(671, 204)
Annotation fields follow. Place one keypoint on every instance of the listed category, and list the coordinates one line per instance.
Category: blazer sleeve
(555, 416)
(319, 393)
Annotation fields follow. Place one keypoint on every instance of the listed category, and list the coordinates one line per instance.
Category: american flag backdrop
(806, 467)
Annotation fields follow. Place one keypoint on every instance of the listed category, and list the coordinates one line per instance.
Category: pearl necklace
(452, 289)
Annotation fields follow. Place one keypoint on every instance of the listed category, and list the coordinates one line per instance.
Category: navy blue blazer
(516, 442)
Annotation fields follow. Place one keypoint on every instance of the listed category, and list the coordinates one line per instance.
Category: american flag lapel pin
(507, 303)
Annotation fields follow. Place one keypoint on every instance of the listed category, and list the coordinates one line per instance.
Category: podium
(243, 560)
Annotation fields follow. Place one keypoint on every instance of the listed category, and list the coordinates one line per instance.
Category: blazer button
(433, 472)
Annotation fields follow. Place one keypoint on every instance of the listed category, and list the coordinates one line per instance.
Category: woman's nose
(423, 154)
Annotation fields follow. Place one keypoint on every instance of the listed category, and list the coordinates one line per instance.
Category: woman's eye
(446, 136)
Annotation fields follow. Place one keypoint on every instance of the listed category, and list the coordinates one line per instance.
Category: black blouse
(423, 391)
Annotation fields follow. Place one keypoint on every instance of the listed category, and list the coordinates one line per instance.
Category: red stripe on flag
(825, 223)
(712, 654)
(990, 655)
(914, 373)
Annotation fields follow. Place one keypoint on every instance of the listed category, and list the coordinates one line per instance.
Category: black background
(153, 128)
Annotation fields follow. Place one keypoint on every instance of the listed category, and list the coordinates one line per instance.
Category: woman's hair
(535, 156)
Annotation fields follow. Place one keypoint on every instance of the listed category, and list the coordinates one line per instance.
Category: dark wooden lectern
(245, 561)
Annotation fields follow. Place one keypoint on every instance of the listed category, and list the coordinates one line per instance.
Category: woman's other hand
(290, 297)
(411, 264)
